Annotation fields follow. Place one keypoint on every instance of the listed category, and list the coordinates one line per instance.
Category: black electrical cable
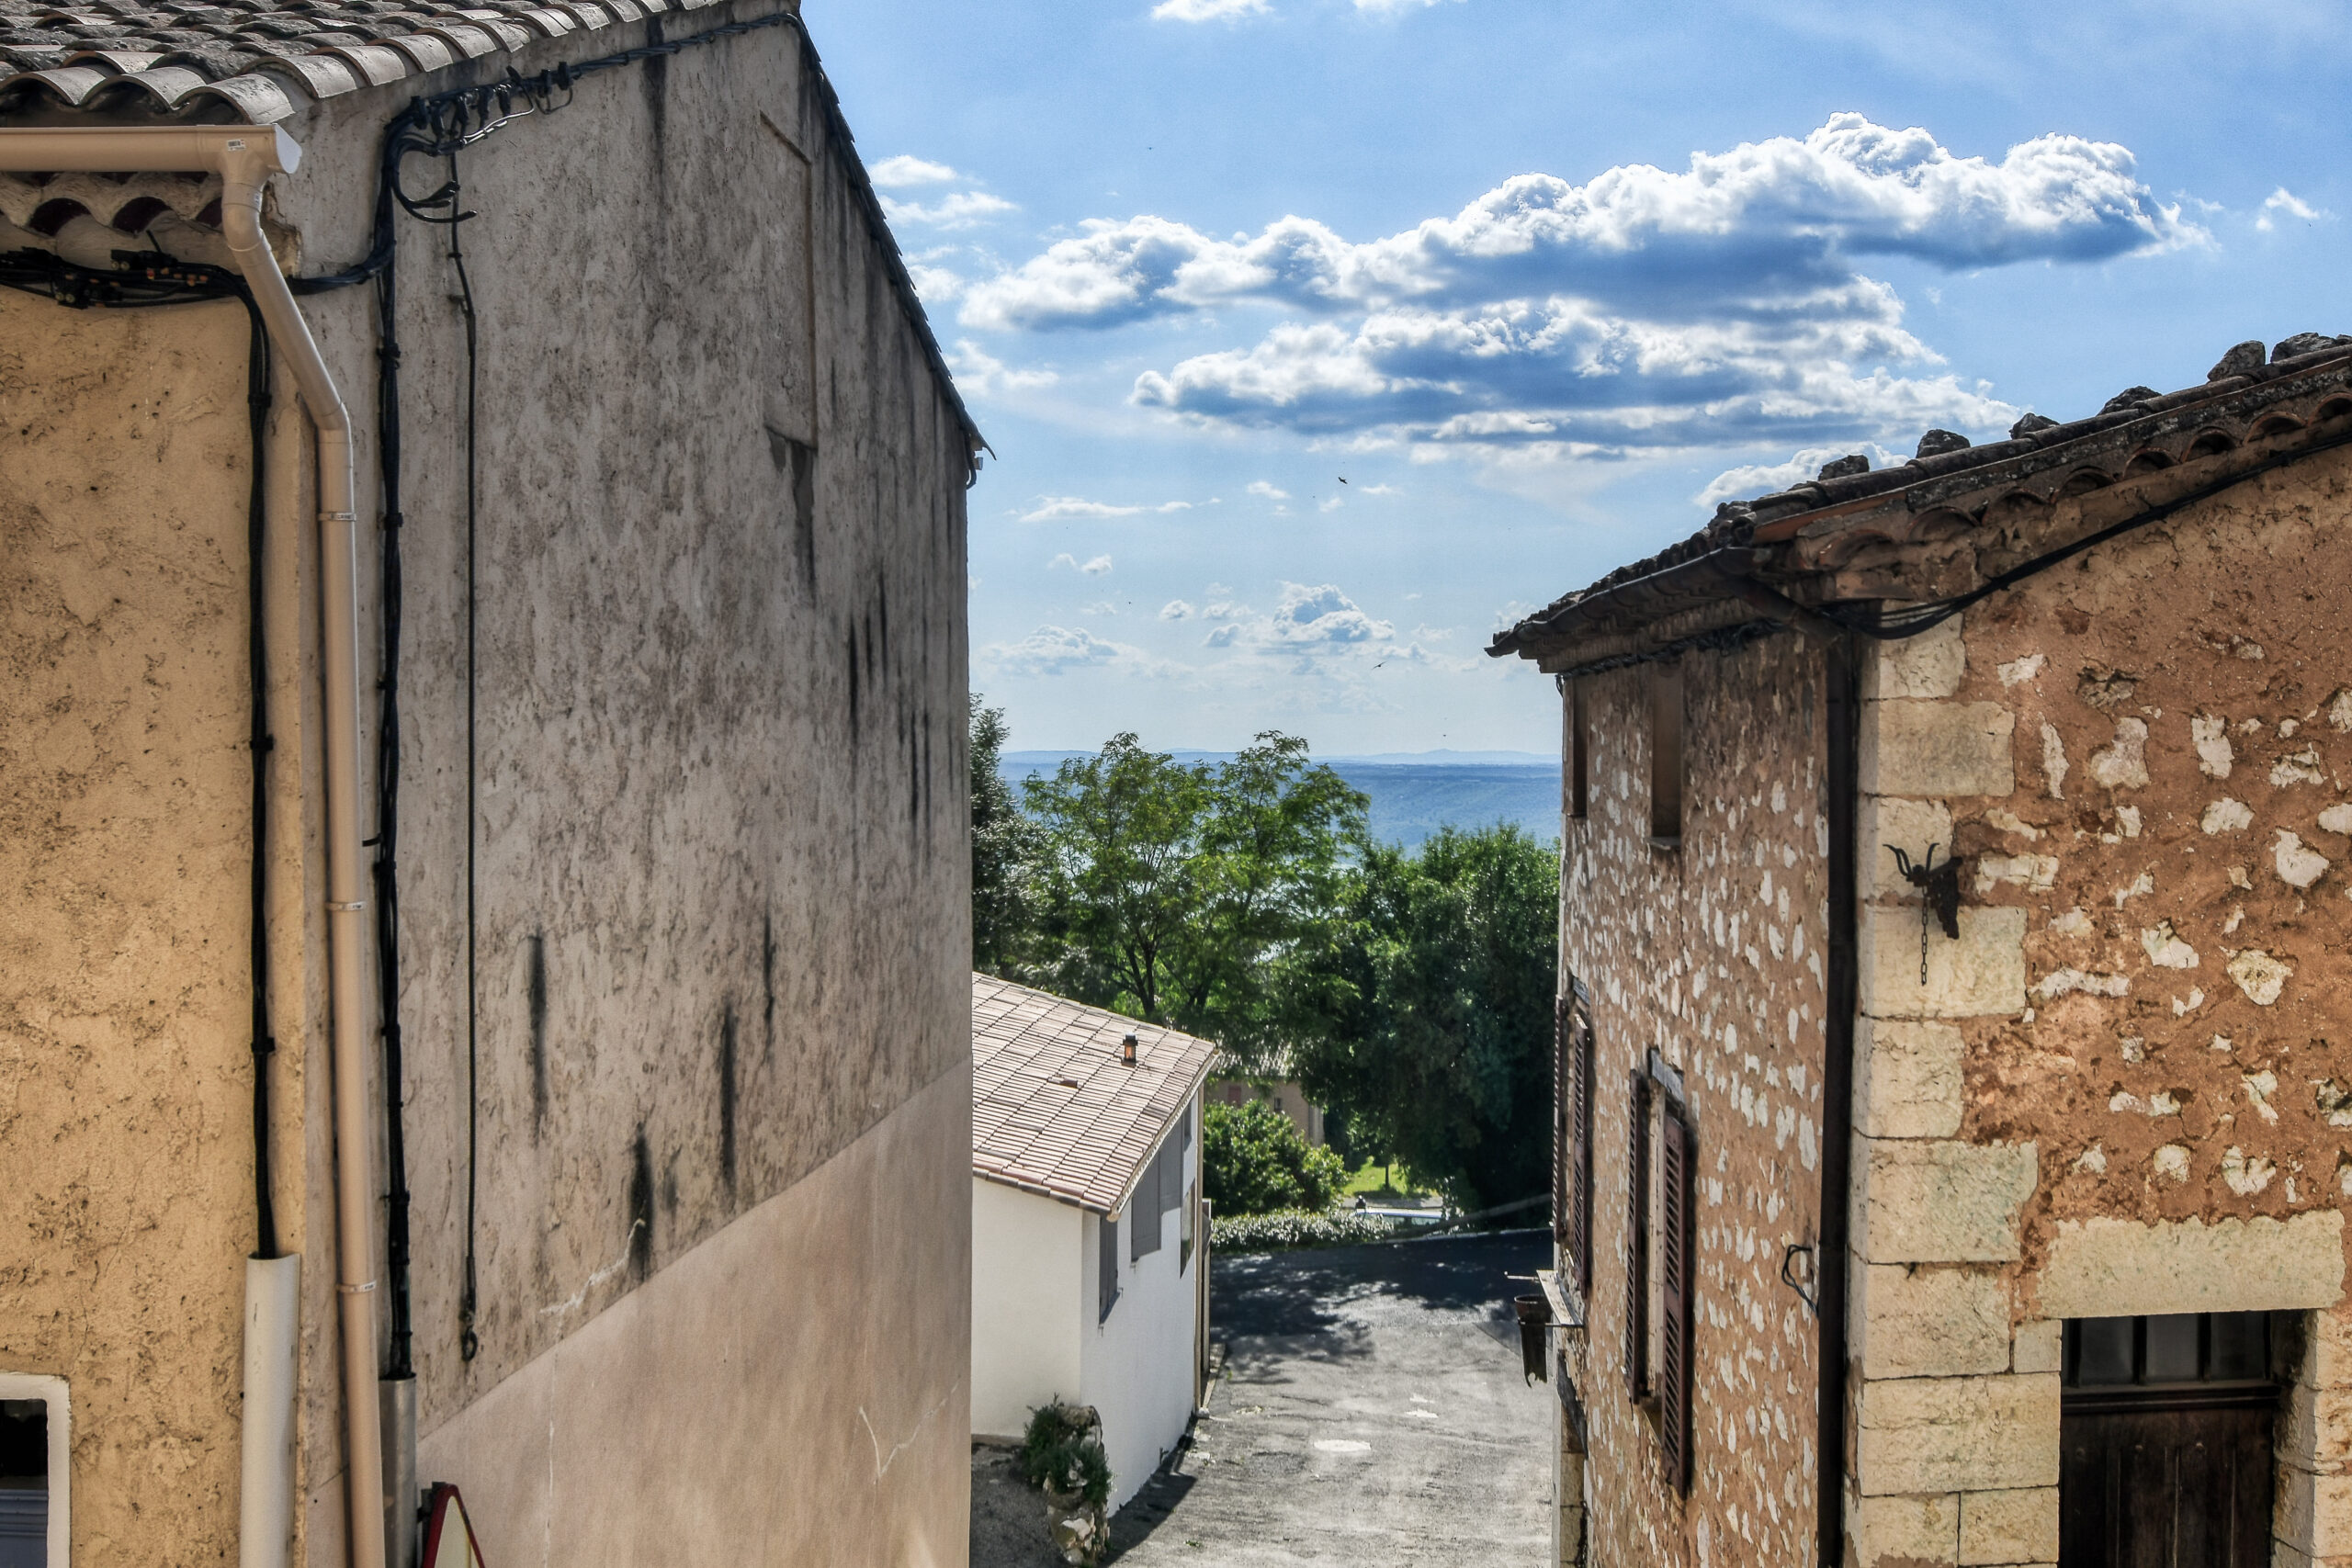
(468, 1344)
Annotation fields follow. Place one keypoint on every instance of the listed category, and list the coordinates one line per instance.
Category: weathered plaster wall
(125, 1075)
(1714, 954)
(2123, 1089)
(791, 1390)
(721, 885)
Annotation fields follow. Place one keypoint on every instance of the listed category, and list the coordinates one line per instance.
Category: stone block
(1928, 665)
(1937, 750)
(1978, 973)
(2313, 1513)
(1932, 1322)
(1940, 1202)
(1907, 1079)
(2009, 1527)
(1986, 1434)
(2318, 1427)
(1911, 826)
(2039, 1347)
(2111, 1268)
(1906, 1532)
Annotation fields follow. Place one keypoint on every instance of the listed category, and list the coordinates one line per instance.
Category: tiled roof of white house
(1055, 1110)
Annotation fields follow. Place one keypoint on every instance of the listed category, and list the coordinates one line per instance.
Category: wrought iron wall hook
(1938, 888)
(1804, 1281)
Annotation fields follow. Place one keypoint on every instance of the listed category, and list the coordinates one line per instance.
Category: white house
(1087, 1266)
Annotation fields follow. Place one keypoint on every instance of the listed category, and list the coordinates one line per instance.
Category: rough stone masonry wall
(1714, 954)
(2127, 1088)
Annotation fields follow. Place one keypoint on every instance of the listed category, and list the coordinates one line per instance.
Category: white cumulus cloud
(2284, 203)
(1206, 10)
(1100, 566)
(1176, 610)
(906, 169)
(1645, 307)
(1261, 487)
(1059, 508)
(981, 374)
(957, 209)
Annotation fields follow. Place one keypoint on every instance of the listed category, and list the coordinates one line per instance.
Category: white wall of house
(1136, 1364)
(1031, 1303)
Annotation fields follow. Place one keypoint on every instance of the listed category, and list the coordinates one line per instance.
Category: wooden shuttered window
(1563, 1122)
(1677, 1171)
(1637, 1241)
(1579, 1238)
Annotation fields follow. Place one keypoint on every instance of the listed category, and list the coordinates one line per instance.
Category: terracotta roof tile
(1054, 1108)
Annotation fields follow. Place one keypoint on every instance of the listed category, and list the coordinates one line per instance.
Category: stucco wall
(125, 1128)
(789, 1390)
(1030, 1304)
(2123, 1089)
(1712, 954)
(721, 881)
(1135, 1365)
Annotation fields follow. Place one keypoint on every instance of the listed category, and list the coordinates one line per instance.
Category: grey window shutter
(1171, 1174)
(1107, 1265)
(1637, 1235)
(1676, 1236)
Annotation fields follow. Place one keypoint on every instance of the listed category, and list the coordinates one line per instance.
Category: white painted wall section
(1031, 1300)
(1137, 1363)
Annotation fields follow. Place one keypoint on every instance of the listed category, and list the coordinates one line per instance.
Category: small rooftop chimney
(1127, 1051)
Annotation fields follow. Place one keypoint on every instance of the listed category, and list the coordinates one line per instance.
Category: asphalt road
(1372, 1412)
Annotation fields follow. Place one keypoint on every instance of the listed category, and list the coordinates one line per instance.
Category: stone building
(1992, 1215)
(568, 783)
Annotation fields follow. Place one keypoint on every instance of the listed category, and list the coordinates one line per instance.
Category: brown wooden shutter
(1580, 1194)
(1676, 1171)
(1563, 1146)
(1637, 1249)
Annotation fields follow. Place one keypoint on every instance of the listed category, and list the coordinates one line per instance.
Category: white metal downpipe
(244, 157)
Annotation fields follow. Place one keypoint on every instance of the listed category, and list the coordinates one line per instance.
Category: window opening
(1666, 755)
(1637, 1250)
(1106, 1272)
(34, 1530)
(1579, 767)
(1574, 1195)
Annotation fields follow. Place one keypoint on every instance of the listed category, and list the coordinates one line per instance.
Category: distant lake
(1412, 795)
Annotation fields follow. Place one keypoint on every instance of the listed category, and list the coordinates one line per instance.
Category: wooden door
(2165, 1444)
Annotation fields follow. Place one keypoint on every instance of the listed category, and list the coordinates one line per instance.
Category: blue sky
(1541, 282)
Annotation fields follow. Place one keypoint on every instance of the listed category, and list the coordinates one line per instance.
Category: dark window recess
(2166, 1436)
(1171, 1166)
(24, 1482)
(1579, 764)
(1678, 1235)
(1151, 1200)
(1106, 1266)
(1637, 1244)
(1575, 1226)
(1666, 755)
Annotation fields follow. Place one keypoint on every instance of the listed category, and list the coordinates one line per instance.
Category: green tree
(1175, 891)
(1004, 850)
(1427, 1015)
(1255, 1161)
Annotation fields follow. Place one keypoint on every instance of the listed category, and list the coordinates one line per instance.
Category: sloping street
(1372, 1412)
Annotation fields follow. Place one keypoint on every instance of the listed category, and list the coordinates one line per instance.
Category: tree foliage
(1254, 1160)
(1004, 848)
(1433, 1002)
(1174, 891)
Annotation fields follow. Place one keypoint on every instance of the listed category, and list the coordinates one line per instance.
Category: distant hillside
(1414, 795)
